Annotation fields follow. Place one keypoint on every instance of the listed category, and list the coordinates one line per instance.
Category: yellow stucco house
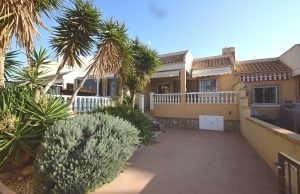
(193, 93)
(187, 92)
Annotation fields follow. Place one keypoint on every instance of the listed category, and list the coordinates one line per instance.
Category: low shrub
(84, 152)
(135, 117)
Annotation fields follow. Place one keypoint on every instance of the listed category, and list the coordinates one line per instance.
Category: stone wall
(183, 123)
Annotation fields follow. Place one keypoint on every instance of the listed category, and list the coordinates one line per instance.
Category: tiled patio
(195, 162)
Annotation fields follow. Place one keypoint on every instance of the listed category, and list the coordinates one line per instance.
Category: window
(209, 85)
(112, 87)
(177, 86)
(163, 88)
(191, 86)
(90, 85)
(266, 94)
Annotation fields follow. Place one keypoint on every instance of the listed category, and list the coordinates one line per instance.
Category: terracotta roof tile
(173, 57)
(261, 66)
(213, 62)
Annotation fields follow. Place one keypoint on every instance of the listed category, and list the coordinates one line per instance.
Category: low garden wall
(184, 123)
(267, 139)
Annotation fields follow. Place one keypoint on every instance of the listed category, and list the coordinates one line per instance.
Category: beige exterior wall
(265, 138)
(286, 92)
(183, 110)
(193, 111)
(292, 58)
(152, 87)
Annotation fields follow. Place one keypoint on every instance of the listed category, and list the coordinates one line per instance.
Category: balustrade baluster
(74, 105)
(188, 98)
(88, 104)
(84, 104)
(230, 98)
(234, 97)
(226, 98)
(79, 105)
(209, 97)
(94, 105)
(222, 98)
(213, 98)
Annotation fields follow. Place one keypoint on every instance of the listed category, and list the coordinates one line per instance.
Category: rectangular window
(191, 86)
(163, 88)
(112, 87)
(90, 86)
(266, 94)
(177, 86)
(209, 85)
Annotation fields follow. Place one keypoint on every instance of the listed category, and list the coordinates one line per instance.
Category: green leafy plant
(23, 121)
(135, 117)
(84, 152)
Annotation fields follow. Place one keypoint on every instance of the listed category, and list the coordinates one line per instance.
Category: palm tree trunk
(2, 59)
(132, 95)
(36, 94)
(47, 87)
(80, 85)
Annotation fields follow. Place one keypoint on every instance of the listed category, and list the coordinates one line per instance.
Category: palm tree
(112, 39)
(10, 64)
(74, 36)
(126, 53)
(146, 61)
(20, 19)
(31, 75)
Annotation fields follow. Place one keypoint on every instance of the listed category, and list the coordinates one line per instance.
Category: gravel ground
(21, 184)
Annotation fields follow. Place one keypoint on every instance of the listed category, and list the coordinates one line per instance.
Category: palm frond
(74, 34)
(111, 39)
(10, 64)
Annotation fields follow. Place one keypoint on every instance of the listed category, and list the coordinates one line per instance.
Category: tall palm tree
(112, 39)
(74, 36)
(20, 19)
(146, 61)
(126, 53)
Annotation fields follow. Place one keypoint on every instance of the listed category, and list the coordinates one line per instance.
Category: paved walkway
(195, 162)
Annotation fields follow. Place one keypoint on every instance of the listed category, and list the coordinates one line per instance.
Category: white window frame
(207, 80)
(265, 86)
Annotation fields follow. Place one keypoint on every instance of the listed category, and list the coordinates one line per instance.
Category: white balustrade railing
(167, 98)
(86, 103)
(224, 97)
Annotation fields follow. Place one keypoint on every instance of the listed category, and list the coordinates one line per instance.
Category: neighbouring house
(184, 92)
(68, 80)
(193, 93)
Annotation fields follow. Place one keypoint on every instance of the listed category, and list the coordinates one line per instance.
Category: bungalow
(193, 93)
(183, 95)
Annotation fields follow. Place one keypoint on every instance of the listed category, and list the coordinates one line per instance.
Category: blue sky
(257, 28)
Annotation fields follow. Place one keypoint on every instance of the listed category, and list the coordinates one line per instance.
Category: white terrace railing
(86, 103)
(167, 98)
(224, 97)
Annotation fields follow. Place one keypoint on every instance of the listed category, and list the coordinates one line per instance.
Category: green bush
(23, 121)
(81, 153)
(135, 117)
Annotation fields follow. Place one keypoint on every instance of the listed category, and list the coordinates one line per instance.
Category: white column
(151, 100)
(97, 89)
(141, 102)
